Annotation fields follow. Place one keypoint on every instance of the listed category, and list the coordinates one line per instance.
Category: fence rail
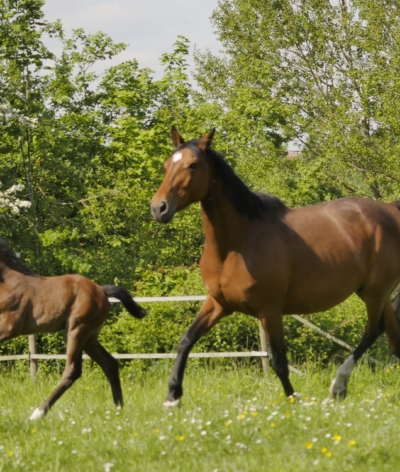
(194, 355)
(33, 356)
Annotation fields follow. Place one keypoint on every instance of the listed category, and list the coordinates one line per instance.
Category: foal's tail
(126, 298)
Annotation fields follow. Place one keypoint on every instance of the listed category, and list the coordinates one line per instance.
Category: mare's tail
(126, 298)
(396, 301)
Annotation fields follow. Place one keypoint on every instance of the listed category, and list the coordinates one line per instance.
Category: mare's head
(187, 176)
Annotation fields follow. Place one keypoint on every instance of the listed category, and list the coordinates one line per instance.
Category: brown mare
(266, 259)
(31, 304)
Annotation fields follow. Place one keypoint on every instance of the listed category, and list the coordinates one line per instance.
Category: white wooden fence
(33, 356)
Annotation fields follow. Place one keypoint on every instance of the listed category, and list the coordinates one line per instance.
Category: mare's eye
(193, 166)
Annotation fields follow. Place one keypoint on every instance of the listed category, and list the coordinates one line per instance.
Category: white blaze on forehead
(177, 156)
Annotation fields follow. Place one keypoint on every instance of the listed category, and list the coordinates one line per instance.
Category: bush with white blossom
(9, 200)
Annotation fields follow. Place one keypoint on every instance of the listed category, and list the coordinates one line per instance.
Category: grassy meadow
(232, 419)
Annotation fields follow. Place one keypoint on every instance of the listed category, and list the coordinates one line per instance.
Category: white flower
(241, 445)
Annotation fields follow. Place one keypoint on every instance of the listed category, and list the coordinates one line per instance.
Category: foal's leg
(109, 366)
(273, 327)
(72, 372)
(210, 313)
(375, 327)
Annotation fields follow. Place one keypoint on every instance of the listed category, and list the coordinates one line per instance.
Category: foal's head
(187, 174)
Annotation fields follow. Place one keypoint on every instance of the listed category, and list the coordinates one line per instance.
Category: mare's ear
(177, 139)
(205, 142)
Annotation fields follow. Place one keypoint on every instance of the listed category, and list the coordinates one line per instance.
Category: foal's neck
(5, 271)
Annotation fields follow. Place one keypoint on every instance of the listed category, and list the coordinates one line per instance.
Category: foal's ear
(205, 142)
(177, 139)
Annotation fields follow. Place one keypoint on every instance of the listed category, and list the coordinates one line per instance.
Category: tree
(320, 73)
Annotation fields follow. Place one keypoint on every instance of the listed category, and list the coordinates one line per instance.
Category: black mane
(249, 203)
(10, 259)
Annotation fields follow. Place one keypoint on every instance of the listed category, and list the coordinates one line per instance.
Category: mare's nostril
(163, 208)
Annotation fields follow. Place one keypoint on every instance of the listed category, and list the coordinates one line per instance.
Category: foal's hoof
(172, 403)
(37, 415)
(336, 391)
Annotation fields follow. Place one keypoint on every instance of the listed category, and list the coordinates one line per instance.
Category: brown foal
(31, 304)
(266, 259)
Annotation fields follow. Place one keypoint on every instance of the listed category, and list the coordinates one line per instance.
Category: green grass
(231, 419)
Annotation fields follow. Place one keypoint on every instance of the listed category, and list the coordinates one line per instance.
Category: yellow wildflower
(309, 445)
(352, 443)
(337, 437)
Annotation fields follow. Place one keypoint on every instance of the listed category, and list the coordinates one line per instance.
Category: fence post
(33, 363)
(264, 347)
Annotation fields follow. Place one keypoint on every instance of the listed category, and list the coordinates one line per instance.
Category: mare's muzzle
(162, 212)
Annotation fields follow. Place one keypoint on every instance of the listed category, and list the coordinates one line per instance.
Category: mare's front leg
(273, 327)
(210, 313)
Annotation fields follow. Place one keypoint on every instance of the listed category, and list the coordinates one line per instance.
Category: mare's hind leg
(392, 327)
(376, 310)
(273, 327)
(72, 372)
(109, 366)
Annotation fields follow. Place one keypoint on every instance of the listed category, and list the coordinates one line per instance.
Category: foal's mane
(252, 204)
(10, 259)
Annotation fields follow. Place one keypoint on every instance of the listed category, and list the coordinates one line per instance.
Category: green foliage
(89, 148)
(320, 73)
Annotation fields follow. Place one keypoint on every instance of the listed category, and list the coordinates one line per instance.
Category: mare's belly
(315, 294)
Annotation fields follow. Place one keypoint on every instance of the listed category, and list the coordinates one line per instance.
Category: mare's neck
(224, 227)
